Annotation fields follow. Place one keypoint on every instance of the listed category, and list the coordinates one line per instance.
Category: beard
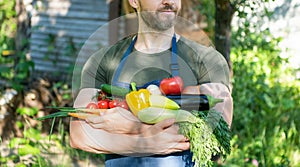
(158, 20)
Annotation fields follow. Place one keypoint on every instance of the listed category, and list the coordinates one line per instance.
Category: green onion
(63, 112)
(54, 115)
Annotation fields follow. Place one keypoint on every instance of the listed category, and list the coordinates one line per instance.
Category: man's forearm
(219, 90)
(161, 138)
(84, 137)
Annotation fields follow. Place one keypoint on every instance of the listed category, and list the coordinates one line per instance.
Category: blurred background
(41, 42)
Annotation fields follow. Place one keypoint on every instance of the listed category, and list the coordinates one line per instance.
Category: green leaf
(17, 86)
(30, 64)
(288, 104)
(32, 133)
(268, 100)
(21, 165)
(27, 111)
(28, 149)
(21, 76)
(16, 141)
(20, 124)
(4, 70)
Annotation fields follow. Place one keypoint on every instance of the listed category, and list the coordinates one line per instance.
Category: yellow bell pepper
(137, 100)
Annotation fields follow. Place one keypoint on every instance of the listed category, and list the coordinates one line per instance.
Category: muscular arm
(220, 91)
(216, 90)
(216, 82)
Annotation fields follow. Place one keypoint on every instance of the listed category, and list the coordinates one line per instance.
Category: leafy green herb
(209, 136)
(220, 127)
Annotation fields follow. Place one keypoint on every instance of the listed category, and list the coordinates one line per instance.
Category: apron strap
(115, 81)
(174, 67)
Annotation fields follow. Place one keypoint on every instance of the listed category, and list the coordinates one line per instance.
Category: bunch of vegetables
(208, 133)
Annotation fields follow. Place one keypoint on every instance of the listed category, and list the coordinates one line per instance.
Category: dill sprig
(209, 136)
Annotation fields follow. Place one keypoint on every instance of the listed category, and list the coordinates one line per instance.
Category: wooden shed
(59, 28)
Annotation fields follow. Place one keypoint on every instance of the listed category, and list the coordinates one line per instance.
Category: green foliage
(27, 111)
(8, 25)
(15, 66)
(207, 10)
(7, 32)
(266, 94)
(35, 147)
(28, 149)
(31, 145)
(266, 118)
(17, 70)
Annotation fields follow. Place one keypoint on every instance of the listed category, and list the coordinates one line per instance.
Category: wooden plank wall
(58, 30)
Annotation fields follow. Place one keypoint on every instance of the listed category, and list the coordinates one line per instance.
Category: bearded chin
(154, 21)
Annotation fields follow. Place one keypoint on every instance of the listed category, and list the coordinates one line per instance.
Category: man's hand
(162, 138)
(219, 90)
(216, 90)
(117, 120)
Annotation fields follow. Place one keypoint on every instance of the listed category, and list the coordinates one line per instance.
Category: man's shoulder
(190, 45)
(121, 44)
(207, 54)
(115, 49)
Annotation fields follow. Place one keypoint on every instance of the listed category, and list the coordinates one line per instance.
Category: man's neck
(154, 41)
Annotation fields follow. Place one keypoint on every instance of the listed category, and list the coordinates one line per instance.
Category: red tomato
(123, 104)
(92, 105)
(171, 86)
(101, 95)
(103, 104)
(113, 103)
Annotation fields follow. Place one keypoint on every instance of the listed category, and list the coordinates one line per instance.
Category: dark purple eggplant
(190, 102)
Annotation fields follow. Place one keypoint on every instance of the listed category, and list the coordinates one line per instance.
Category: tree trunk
(223, 18)
(23, 25)
(114, 13)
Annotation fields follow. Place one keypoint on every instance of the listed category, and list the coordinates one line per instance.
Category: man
(155, 52)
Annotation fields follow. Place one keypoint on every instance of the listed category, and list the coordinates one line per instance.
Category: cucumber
(114, 90)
